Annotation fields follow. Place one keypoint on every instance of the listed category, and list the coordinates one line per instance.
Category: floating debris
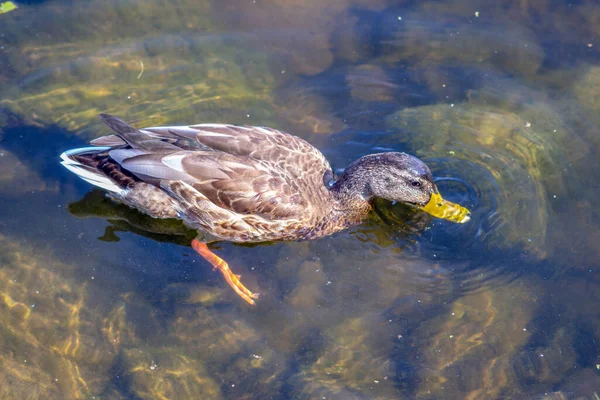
(142, 69)
(7, 6)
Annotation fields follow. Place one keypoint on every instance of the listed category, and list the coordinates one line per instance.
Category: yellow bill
(440, 208)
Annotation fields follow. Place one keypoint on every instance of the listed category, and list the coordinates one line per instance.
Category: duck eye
(416, 184)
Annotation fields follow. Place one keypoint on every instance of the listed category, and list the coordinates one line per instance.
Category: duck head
(398, 177)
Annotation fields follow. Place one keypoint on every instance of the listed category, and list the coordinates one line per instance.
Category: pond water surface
(501, 99)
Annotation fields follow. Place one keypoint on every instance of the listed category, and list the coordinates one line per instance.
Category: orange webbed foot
(220, 264)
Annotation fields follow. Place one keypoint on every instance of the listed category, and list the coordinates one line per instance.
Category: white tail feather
(86, 173)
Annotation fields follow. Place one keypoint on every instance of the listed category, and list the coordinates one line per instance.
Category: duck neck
(352, 190)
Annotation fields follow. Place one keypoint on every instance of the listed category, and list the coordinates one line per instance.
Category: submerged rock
(104, 57)
(469, 349)
(187, 343)
(50, 345)
(418, 40)
(298, 33)
(570, 23)
(371, 83)
(586, 111)
(512, 151)
(168, 373)
(16, 178)
(305, 110)
(354, 364)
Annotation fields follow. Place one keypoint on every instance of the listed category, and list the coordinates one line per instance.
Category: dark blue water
(501, 100)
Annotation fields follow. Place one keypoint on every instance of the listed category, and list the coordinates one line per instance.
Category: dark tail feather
(128, 133)
(116, 124)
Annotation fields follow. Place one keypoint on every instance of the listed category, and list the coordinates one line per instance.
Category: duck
(247, 184)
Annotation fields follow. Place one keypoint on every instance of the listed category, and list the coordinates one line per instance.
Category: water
(501, 100)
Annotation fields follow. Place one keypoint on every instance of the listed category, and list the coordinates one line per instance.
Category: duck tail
(81, 163)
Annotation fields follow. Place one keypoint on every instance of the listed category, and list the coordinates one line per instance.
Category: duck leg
(221, 265)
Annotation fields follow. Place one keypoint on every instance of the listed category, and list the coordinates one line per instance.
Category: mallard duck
(247, 184)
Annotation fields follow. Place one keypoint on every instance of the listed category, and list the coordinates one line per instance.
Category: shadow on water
(125, 219)
(39, 147)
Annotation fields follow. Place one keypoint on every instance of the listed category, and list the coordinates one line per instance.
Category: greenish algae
(451, 43)
(187, 77)
(302, 42)
(353, 364)
(153, 365)
(330, 306)
(202, 348)
(470, 349)
(305, 111)
(514, 148)
(578, 103)
(50, 346)
(567, 22)
(209, 86)
(167, 372)
(586, 91)
(153, 351)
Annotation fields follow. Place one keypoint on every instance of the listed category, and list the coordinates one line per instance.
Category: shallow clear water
(502, 101)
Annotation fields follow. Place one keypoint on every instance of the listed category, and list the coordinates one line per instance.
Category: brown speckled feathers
(247, 184)
(235, 183)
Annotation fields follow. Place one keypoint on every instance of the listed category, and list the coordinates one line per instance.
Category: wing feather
(247, 170)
